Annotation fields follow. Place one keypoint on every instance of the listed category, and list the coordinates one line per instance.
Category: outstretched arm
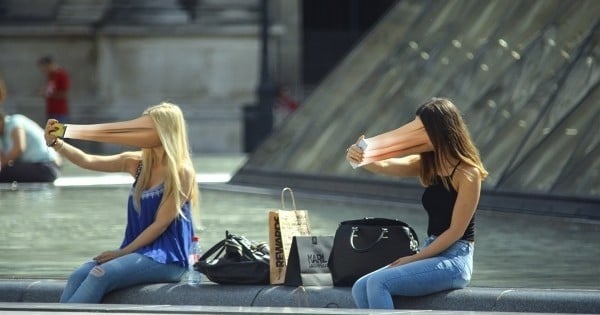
(123, 162)
(139, 132)
(408, 166)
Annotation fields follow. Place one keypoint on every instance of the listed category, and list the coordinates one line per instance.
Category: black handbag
(365, 245)
(236, 260)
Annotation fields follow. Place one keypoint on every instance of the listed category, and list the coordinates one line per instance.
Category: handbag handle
(217, 248)
(283, 198)
(383, 235)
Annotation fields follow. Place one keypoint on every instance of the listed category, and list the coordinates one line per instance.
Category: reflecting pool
(47, 231)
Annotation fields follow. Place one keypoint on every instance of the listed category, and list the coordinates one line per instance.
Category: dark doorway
(331, 28)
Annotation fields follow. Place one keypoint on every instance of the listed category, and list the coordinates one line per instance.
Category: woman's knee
(98, 277)
(82, 272)
(96, 273)
(376, 282)
(358, 288)
(461, 280)
(359, 293)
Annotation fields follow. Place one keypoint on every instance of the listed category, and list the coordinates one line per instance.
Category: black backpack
(236, 260)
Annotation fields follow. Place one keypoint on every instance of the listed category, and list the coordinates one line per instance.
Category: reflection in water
(47, 232)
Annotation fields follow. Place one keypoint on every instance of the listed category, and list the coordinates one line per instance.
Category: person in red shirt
(285, 104)
(56, 90)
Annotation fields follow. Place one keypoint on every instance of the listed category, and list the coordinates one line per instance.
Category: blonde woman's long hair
(450, 139)
(171, 128)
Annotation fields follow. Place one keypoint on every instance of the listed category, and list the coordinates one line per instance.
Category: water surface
(47, 231)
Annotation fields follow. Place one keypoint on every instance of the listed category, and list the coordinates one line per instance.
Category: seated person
(24, 156)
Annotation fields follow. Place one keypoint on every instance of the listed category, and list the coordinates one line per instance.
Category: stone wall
(126, 55)
(119, 71)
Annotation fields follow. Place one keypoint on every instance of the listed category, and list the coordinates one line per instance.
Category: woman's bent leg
(414, 279)
(359, 292)
(123, 272)
(75, 280)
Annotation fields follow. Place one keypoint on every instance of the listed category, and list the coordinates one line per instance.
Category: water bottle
(193, 276)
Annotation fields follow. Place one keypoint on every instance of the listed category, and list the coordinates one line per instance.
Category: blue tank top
(170, 247)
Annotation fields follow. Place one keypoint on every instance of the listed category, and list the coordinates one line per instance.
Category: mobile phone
(59, 131)
(362, 144)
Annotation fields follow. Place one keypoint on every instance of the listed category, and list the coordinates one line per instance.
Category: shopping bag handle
(283, 198)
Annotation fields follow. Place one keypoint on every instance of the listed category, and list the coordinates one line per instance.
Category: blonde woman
(159, 211)
(452, 174)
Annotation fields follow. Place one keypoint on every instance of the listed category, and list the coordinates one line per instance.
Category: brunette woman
(452, 174)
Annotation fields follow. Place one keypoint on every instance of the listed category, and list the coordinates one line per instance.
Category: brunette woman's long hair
(450, 139)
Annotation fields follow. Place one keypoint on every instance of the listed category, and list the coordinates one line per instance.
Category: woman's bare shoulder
(187, 172)
(467, 173)
(130, 160)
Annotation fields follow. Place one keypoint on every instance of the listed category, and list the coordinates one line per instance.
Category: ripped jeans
(91, 281)
(451, 269)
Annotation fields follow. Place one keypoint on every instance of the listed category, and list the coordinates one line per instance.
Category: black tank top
(439, 204)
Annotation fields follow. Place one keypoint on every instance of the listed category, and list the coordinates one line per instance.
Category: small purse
(236, 260)
(365, 245)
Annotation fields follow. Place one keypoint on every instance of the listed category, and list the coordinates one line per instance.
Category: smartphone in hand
(59, 131)
(362, 144)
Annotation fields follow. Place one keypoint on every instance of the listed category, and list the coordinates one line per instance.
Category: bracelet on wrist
(53, 143)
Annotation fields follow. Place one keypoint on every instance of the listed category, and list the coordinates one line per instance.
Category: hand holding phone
(362, 144)
(59, 131)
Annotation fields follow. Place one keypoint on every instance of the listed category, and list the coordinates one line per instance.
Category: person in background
(56, 90)
(159, 227)
(24, 156)
(285, 104)
(452, 174)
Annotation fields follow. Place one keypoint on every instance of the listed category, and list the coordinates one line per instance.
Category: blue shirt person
(24, 156)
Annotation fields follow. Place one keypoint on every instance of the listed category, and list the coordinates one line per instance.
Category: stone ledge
(209, 294)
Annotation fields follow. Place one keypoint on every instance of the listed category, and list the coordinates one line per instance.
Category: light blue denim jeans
(451, 269)
(91, 281)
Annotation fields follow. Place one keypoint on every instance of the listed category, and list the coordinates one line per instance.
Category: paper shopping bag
(307, 263)
(283, 226)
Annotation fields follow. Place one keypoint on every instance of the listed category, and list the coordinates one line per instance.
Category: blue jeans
(451, 269)
(91, 281)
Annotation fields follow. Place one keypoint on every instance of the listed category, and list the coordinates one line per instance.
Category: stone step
(81, 11)
(227, 12)
(471, 299)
